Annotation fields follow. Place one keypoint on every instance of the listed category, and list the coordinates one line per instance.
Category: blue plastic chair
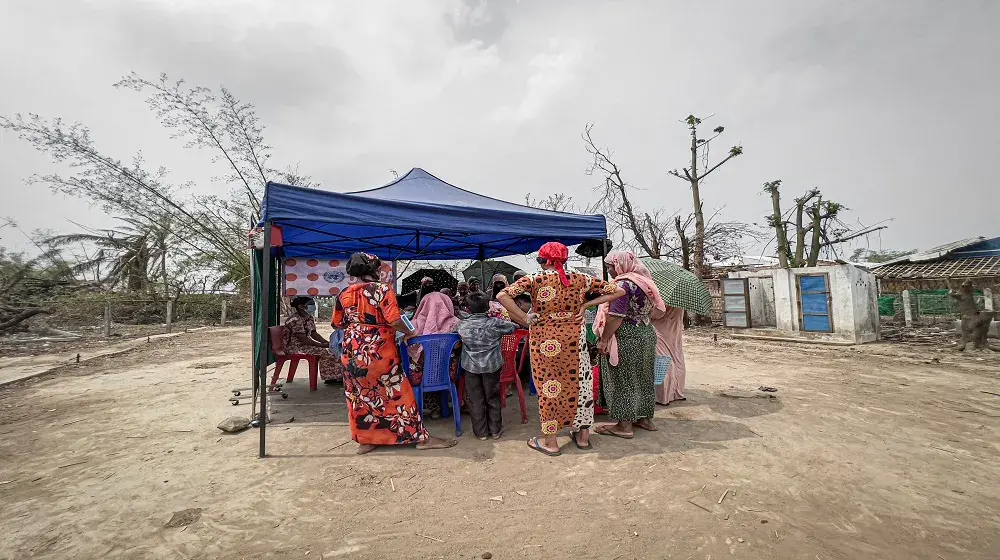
(438, 349)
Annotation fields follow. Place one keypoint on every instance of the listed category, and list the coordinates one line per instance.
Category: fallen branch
(724, 494)
(11, 322)
(339, 446)
(699, 505)
(431, 538)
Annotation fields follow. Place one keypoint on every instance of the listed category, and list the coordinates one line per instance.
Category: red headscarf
(556, 254)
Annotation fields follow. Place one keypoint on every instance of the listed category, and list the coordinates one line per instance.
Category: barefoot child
(482, 362)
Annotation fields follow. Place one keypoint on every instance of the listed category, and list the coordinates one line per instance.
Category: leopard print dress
(560, 364)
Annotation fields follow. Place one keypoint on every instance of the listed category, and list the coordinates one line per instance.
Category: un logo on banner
(333, 276)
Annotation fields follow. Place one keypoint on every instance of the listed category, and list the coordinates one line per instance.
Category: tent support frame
(262, 353)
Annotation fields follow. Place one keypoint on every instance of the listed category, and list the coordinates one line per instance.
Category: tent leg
(604, 256)
(262, 352)
(482, 270)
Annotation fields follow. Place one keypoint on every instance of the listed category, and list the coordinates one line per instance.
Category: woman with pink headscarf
(434, 315)
(628, 345)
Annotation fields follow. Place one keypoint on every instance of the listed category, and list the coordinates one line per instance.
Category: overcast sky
(891, 107)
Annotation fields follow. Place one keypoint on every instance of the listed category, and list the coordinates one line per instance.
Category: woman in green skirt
(628, 347)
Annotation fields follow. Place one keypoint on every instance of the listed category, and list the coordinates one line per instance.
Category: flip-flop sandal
(587, 447)
(541, 449)
(641, 427)
(607, 432)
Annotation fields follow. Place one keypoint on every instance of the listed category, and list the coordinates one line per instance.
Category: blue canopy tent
(417, 216)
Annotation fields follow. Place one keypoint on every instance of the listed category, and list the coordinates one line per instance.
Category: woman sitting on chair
(435, 315)
(301, 337)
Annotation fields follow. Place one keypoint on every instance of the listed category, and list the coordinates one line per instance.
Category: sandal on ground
(576, 442)
(650, 427)
(534, 444)
(606, 431)
(497, 436)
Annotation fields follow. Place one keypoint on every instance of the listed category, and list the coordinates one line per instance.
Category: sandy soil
(878, 453)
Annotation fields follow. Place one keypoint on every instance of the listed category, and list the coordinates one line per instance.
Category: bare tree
(558, 202)
(815, 227)
(210, 230)
(693, 176)
(659, 234)
(626, 221)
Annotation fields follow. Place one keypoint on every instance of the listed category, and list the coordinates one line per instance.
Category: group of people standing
(633, 326)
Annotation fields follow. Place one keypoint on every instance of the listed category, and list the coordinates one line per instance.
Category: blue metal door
(814, 303)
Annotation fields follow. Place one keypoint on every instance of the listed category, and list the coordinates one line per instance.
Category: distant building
(976, 259)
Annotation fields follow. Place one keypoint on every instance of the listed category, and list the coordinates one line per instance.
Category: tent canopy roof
(418, 216)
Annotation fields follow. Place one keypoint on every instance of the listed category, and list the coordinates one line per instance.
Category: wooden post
(107, 319)
(170, 314)
(907, 309)
(222, 320)
(987, 299)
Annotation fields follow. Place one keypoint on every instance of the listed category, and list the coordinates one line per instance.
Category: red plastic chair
(508, 375)
(277, 338)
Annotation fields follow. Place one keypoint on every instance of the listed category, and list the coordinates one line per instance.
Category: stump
(974, 326)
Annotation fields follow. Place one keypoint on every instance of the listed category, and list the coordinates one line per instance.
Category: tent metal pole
(604, 256)
(254, 305)
(263, 340)
(482, 272)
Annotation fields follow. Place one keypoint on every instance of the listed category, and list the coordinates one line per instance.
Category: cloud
(553, 72)
(863, 99)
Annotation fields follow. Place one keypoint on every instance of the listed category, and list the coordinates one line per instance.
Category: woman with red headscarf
(560, 364)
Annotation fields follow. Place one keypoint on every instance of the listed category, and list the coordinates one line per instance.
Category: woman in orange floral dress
(560, 364)
(381, 405)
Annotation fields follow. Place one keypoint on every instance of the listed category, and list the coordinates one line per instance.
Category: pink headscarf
(628, 267)
(434, 315)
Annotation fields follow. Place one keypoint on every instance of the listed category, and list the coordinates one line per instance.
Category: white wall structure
(852, 302)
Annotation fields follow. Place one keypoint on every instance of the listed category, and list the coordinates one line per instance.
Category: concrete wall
(853, 307)
(865, 291)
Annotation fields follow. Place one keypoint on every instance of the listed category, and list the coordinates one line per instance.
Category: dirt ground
(883, 452)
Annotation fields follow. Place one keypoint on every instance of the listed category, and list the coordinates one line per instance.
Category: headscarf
(497, 279)
(434, 315)
(556, 254)
(362, 265)
(627, 267)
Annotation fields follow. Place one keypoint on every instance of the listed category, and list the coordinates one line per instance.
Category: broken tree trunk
(974, 326)
(10, 322)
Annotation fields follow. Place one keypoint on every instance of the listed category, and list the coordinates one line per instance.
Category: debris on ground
(184, 518)
(234, 424)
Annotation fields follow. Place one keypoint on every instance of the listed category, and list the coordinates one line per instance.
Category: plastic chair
(276, 335)
(509, 374)
(438, 349)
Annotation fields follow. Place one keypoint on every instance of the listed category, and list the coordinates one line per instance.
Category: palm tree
(134, 254)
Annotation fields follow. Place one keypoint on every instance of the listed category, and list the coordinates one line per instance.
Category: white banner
(322, 278)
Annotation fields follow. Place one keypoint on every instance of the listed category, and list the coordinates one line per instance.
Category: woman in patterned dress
(628, 345)
(301, 337)
(559, 360)
(381, 405)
